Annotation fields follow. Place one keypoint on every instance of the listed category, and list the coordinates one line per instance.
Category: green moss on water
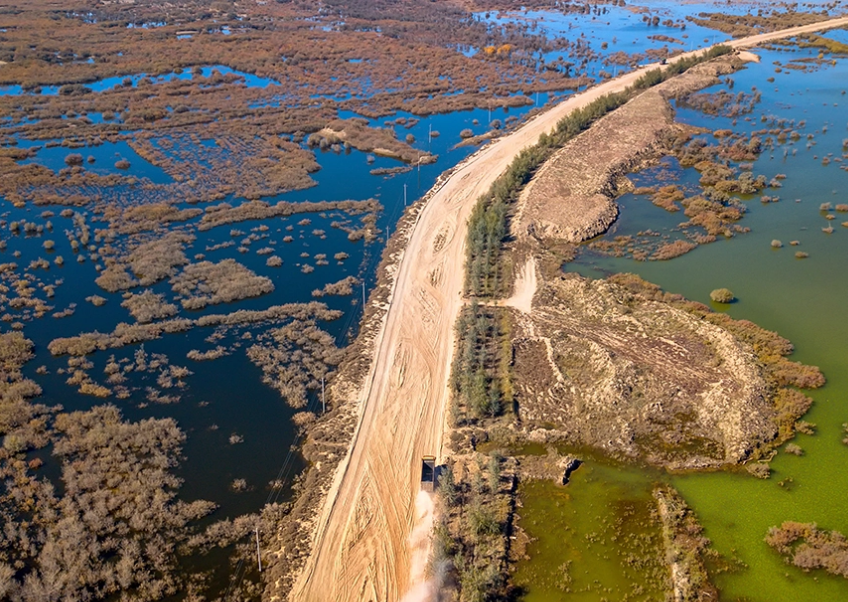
(596, 539)
(804, 301)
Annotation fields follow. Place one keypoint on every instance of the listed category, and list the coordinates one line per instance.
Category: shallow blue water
(132, 80)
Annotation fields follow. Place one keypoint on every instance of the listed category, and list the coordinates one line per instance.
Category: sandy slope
(361, 549)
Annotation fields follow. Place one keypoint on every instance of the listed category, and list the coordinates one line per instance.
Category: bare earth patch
(596, 366)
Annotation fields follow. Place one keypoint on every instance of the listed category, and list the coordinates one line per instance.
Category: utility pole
(258, 555)
(323, 400)
(363, 295)
(404, 195)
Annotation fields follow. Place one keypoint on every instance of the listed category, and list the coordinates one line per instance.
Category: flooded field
(177, 245)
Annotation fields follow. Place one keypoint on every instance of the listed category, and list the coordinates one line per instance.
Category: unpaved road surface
(361, 549)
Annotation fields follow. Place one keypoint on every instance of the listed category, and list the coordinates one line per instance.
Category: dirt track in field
(361, 547)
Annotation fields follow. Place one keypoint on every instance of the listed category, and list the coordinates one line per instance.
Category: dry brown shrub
(342, 288)
(148, 306)
(260, 210)
(206, 283)
(809, 547)
(294, 359)
(667, 198)
(155, 260)
(211, 354)
(115, 278)
(672, 250)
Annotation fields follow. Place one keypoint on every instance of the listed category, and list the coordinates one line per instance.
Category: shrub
(148, 306)
(448, 491)
(74, 159)
(808, 547)
(761, 470)
(722, 295)
(207, 283)
(794, 449)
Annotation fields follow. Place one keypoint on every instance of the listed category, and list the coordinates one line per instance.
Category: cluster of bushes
(115, 526)
(151, 216)
(343, 287)
(225, 213)
(358, 134)
(129, 334)
(149, 262)
(751, 24)
(471, 537)
(206, 283)
(148, 306)
(295, 359)
(808, 547)
(481, 374)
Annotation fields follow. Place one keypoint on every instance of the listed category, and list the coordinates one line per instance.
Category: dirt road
(361, 548)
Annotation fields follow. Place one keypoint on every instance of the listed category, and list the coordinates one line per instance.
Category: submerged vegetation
(130, 140)
(722, 295)
(808, 547)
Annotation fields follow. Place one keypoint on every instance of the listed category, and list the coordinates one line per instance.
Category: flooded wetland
(202, 209)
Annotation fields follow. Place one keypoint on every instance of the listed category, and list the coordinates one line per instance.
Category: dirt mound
(598, 366)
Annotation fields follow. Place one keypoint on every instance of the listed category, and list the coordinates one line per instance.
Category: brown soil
(596, 366)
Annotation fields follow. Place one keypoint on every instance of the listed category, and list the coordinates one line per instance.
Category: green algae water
(596, 538)
(802, 299)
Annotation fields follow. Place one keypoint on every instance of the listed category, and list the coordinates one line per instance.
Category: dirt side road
(361, 548)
